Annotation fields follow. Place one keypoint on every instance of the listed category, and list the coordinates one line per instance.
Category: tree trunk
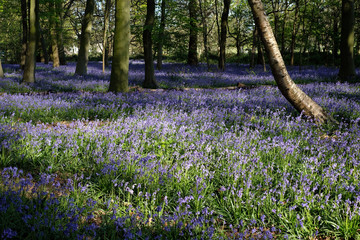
(261, 57)
(205, 33)
(294, 33)
(105, 30)
(283, 29)
(252, 57)
(59, 26)
(161, 36)
(24, 20)
(1, 70)
(43, 46)
(347, 67)
(224, 24)
(150, 81)
(301, 101)
(120, 64)
(335, 39)
(83, 57)
(53, 33)
(193, 36)
(30, 61)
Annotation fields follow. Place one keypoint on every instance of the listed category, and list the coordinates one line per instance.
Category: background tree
(1, 70)
(224, 28)
(106, 29)
(54, 36)
(120, 63)
(301, 101)
(161, 36)
(24, 21)
(30, 61)
(347, 67)
(150, 81)
(193, 33)
(83, 56)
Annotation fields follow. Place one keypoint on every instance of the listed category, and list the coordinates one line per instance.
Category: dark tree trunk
(253, 48)
(335, 39)
(1, 70)
(193, 36)
(347, 67)
(83, 57)
(60, 26)
(301, 101)
(161, 36)
(205, 33)
(105, 30)
(294, 33)
(53, 33)
(120, 64)
(43, 46)
(30, 62)
(283, 29)
(24, 20)
(150, 81)
(260, 57)
(224, 24)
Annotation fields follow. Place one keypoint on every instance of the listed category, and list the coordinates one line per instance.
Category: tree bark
(347, 67)
(1, 70)
(260, 57)
(120, 64)
(150, 81)
(53, 33)
(335, 39)
(30, 61)
(161, 36)
(224, 24)
(205, 33)
(43, 46)
(83, 57)
(105, 30)
(24, 20)
(252, 58)
(193, 36)
(301, 101)
(59, 26)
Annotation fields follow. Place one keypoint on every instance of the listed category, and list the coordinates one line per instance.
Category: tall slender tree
(224, 28)
(120, 63)
(149, 81)
(1, 70)
(161, 36)
(83, 56)
(347, 67)
(30, 61)
(193, 36)
(24, 20)
(53, 33)
(105, 30)
(301, 101)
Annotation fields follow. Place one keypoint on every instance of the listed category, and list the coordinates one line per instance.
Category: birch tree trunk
(301, 101)
(83, 56)
(120, 64)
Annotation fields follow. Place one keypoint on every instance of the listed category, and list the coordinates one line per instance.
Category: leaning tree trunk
(347, 67)
(161, 36)
(83, 57)
(1, 70)
(30, 61)
(193, 36)
(150, 81)
(105, 30)
(24, 39)
(301, 101)
(224, 24)
(120, 64)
